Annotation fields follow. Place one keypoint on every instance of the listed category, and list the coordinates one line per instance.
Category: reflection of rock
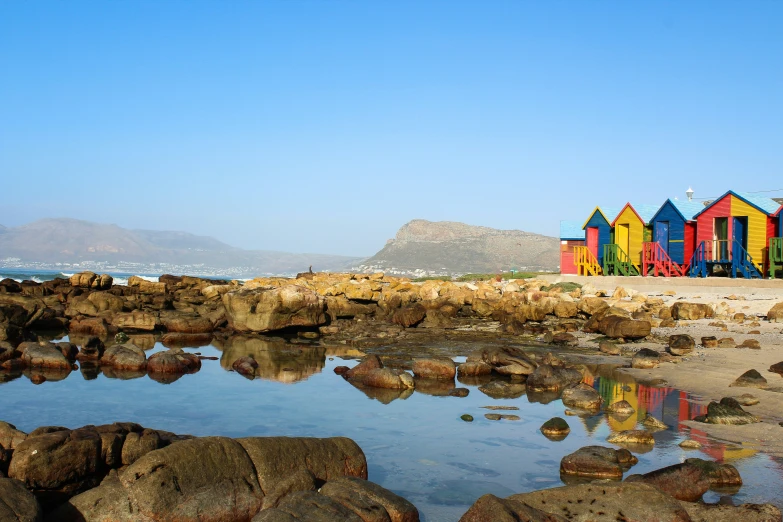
(277, 361)
(186, 340)
(543, 397)
(383, 395)
(124, 375)
(50, 374)
(435, 387)
(503, 390)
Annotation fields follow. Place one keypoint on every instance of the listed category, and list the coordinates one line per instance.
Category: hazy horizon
(325, 126)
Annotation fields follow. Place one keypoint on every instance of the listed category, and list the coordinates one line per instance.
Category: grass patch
(565, 286)
(504, 275)
(432, 278)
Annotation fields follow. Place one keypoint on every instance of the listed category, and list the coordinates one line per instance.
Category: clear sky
(323, 126)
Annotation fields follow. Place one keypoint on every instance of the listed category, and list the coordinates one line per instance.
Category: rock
(442, 368)
(17, 504)
(173, 361)
(750, 343)
(690, 444)
(555, 429)
(369, 500)
(681, 344)
(92, 350)
(46, 355)
(175, 322)
(57, 465)
(624, 328)
(746, 399)
(597, 462)
(565, 339)
(10, 437)
(645, 359)
(775, 314)
(466, 417)
(546, 378)
(700, 512)
(69, 350)
(269, 309)
(719, 475)
(491, 508)
(621, 408)
(503, 390)
(709, 342)
(209, 478)
(388, 378)
(592, 305)
(641, 437)
(95, 326)
(146, 287)
(108, 502)
(409, 316)
(125, 357)
(308, 506)
(777, 368)
(682, 481)
(582, 396)
(728, 411)
(473, 369)
(505, 356)
(501, 416)
(365, 366)
(566, 309)
(245, 366)
(691, 311)
(750, 379)
(609, 348)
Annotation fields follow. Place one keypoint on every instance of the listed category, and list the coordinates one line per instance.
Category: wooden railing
(775, 256)
(585, 261)
(726, 252)
(657, 260)
(618, 262)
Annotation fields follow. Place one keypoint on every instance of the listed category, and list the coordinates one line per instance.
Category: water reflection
(277, 360)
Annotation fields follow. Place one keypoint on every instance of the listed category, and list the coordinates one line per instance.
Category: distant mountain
(447, 247)
(69, 241)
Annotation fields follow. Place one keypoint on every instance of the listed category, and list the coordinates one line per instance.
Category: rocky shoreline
(658, 338)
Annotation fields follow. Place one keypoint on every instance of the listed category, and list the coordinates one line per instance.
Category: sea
(120, 278)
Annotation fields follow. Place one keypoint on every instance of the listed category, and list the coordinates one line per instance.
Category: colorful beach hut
(623, 256)
(775, 252)
(598, 232)
(733, 233)
(571, 236)
(673, 238)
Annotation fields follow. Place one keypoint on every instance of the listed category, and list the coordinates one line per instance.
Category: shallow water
(415, 445)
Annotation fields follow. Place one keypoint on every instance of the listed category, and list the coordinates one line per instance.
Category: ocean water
(415, 443)
(39, 276)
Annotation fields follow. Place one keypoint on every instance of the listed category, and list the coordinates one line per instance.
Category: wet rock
(370, 501)
(728, 411)
(645, 359)
(107, 502)
(10, 437)
(501, 416)
(692, 311)
(621, 408)
(308, 506)
(503, 390)
(36, 355)
(491, 508)
(92, 350)
(125, 357)
(459, 392)
(565, 339)
(442, 368)
(17, 504)
(624, 328)
(700, 512)
(750, 379)
(641, 437)
(555, 429)
(185, 340)
(94, 326)
(409, 316)
(750, 343)
(709, 342)
(472, 369)
(690, 444)
(624, 501)
(597, 462)
(138, 444)
(269, 309)
(546, 378)
(513, 359)
(609, 348)
(57, 465)
(246, 366)
(173, 361)
(777, 368)
(681, 344)
(175, 322)
(719, 475)
(388, 378)
(582, 396)
(368, 364)
(466, 417)
(682, 481)
(69, 350)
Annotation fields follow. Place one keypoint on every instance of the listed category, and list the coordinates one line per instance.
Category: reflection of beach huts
(571, 236)
(623, 256)
(673, 239)
(732, 234)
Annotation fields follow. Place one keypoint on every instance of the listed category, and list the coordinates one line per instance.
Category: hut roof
(609, 213)
(571, 230)
(763, 204)
(687, 209)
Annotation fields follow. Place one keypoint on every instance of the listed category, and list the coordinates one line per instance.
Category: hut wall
(677, 250)
(704, 223)
(567, 265)
(689, 243)
(757, 229)
(635, 234)
(604, 233)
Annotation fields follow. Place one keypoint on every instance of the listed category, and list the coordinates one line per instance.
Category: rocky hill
(433, 248)
(50, 241)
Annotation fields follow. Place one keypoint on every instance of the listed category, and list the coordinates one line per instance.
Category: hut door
(623, 237)
(720, 249)
(739, 228)
(592, 240)
(662, 234)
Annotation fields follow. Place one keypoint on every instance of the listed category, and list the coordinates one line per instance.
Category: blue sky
(323, 126)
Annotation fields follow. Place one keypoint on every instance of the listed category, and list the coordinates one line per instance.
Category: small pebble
(467, 418)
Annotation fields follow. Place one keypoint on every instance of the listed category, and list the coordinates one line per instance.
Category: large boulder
(91, 280)
(750, 379)
(370, 501)
(17, 504)
(147, 287)
(727, 411)
(513, 360)
(682, 481)
(597, 462)
(10, 437)
(582, 396)
(645, 359)
(175, 361)
(388, 378)
(135, 321)
(549, 378)
(125, 357)
(410, 315)
(186, 323)
(431, 368)
(775, 314)
(45, 355)
(692, 311)
(269, 309)
(57, 465)
(681, 344)
(491, 508)
(618, 327)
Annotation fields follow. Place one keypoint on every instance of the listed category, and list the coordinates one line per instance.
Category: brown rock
(750, 343)
(10, 437)
(125, 357)
(682, 481)
(46, 355)
(368, 364)
(582, 396)
(609, 348)
(709, 342)
(368, 500)
(173, 361)
(388, 378)
(490, 508)
(682, 344)
(692, 311)
(621, 327)
(409, 316)
(430, 368)
(645, 359)
(750, 379)
(17, 504)
(775, 314)
(473, 369)
(269, 309)
(135, 321)
(597, 462)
